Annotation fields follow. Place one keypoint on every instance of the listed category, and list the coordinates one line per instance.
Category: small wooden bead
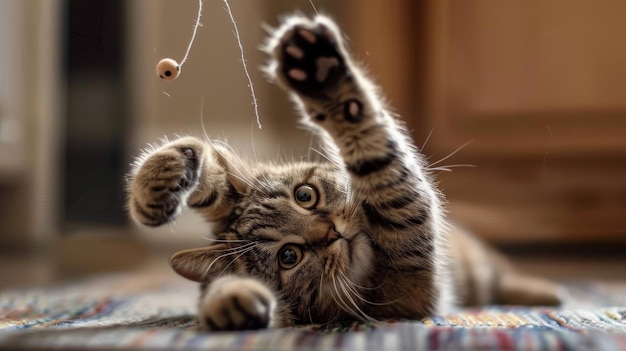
(168, 69)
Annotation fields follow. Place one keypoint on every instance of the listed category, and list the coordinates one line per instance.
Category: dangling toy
(169, 69)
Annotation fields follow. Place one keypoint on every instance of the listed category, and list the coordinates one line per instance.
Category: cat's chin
(360, 256)
(349, 262)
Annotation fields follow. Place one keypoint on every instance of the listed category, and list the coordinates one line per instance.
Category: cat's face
(297, 228)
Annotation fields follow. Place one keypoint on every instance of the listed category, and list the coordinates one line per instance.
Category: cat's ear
(200, 263)
(239, 182)
(237, 171)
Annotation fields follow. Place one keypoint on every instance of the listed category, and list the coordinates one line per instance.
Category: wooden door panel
(519, 75)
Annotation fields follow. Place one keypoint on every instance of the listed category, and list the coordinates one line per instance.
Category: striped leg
(183, 172)
(386, 172)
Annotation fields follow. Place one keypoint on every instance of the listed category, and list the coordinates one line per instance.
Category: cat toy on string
(169, 69)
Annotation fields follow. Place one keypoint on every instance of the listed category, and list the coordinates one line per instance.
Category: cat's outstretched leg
(402, 206)
(183, 172)
(310, 61)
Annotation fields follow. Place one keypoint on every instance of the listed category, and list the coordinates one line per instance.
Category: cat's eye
(289, 256)
(306, 196)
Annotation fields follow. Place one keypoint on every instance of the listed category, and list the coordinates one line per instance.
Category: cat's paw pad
(161, 181)
(309, 58)
(236, 303)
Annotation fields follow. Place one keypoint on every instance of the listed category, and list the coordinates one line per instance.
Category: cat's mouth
(345, 245)
(332, 234)
(348, 247)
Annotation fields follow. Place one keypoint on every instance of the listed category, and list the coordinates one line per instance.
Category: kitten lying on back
(361, 238)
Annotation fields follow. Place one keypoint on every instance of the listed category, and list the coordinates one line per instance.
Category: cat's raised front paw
(309, 58)
(161, 181)
(237, 303)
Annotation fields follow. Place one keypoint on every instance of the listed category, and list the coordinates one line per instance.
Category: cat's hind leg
(517, 288)
(484, 276)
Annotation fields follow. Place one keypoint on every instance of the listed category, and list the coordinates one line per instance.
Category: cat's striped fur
(360, 238)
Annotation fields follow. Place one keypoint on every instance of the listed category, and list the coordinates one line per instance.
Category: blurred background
(533, 93)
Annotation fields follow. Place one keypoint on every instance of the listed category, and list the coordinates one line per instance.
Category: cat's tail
(483, 277)
(516, 288)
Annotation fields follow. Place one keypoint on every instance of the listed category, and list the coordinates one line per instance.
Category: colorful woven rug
(136, 312)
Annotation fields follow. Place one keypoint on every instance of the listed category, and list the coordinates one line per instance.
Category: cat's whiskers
(447, 167)
(334, 319)
(344, 281)
(311, 141)
(310, 316)
(263, 185)
(321, 281)
(338, 297)
(234, 165)
(237, 247)
(238, 250)
(266, 184)
(249, 183)
(358, 313)
(230, 148)
(427, 139)
(337, 185)
(348, 280)
(327, 158)
(331, 320)
(226, 240)
(351, 286)
(339, 300)
(172, 224)
(353, 209)
(321, 293)
(349, 295)
(451, 154)
(243, 252)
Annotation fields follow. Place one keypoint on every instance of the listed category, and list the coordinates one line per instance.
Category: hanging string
(193, 35)
(245, 66)
(169, 69)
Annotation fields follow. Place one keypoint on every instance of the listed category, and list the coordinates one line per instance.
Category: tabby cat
(360, 237)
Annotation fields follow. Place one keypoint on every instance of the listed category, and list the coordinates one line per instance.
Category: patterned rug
(137, 312)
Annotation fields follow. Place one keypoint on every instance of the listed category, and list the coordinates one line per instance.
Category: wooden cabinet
(539, 87)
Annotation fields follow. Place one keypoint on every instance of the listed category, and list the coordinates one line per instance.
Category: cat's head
(297, 228)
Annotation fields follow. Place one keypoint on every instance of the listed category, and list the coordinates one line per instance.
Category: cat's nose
(332, 234)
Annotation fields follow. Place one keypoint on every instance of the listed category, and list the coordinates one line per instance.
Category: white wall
(30, 128)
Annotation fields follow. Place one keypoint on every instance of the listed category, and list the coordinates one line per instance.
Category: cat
(359, 237)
